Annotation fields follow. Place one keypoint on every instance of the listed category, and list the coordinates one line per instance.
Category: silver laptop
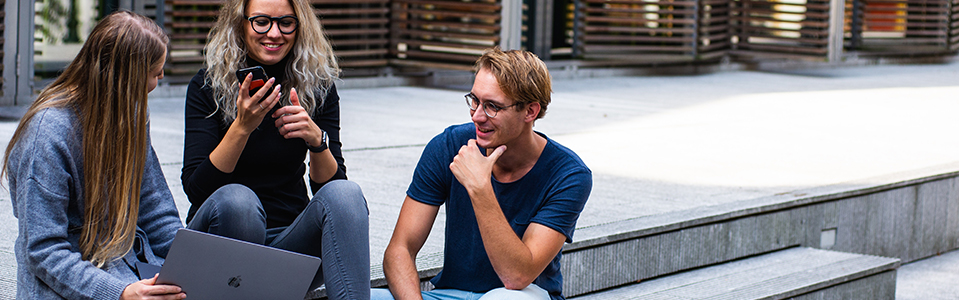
(208, 266)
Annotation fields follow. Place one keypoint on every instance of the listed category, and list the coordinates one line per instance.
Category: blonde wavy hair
(311, 69)
(107, 85)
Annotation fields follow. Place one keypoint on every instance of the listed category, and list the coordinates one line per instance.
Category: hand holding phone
(259, 77)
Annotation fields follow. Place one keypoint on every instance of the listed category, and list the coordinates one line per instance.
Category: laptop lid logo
(235, 281)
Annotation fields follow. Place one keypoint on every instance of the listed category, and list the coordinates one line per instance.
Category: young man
(512, 195)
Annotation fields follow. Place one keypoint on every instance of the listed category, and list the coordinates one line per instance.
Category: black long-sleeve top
(270, 165)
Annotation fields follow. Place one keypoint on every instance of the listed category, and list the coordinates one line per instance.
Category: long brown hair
(107, 85)
(312, 65)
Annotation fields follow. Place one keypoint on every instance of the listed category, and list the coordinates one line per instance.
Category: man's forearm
(399, 268)
(510, 257)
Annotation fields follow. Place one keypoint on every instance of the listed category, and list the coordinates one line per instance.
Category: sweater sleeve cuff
(110, 288)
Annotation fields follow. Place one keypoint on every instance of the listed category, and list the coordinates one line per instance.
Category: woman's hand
(294, 122)
(250, 110)
(148, 289)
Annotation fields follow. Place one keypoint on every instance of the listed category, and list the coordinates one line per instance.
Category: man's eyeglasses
(489, 108)
(262, 23)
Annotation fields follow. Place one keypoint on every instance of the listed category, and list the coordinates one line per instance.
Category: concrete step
(931, 278)
(8, 274)
(799, 273)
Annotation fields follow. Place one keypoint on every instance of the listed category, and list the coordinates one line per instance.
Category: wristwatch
(322, 147)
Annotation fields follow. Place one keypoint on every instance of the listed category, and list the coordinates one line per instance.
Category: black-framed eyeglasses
(489, 108)
(263, 23)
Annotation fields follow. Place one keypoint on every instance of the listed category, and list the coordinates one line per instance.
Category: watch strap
(321, 147)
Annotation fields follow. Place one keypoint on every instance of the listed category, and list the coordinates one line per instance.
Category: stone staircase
(799, 273)
(842, 241)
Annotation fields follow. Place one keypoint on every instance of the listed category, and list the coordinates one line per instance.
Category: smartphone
(259, 77)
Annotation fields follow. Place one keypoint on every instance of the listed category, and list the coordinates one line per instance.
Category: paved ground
(655, 144)
(933, 278)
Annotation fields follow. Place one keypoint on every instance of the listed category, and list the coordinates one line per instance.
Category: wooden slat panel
(441, 56)
(666, 31)
(718, 37)
(899, 26)
(930, 9)
(187, 36)
(774, 40)
(920, 2)
(751, 30)
(188, 22)
(452, 35)
(909, 17)
(361, 53)
(383, 41)
(487, 6)
(216, 3)
(450, 45)
(364, 63)
(790, 49)
(3, 17)
(715, 21)
(772, 12)
(366, 21)
(351, 11)
(911, 41)
(186, 46)
(357, 29)
(953, 41)
(712, 48)
(617, 4)
(809, 5)
(714, 29)
(456, 27)
(185, 59)
(194, 13)
(449, 32)
(350, 1)
(639, 38)
(779, 22)
(643, 9)
(455, 14)
(764, 29)
(192, 25)
(656, 48)
(639, 20)
(646, 30)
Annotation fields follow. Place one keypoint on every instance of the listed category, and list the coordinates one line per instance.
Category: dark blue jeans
(334, 226)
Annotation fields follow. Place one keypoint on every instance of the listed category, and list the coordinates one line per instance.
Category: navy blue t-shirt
(552, 194)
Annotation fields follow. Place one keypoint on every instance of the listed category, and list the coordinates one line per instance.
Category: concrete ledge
(612, 232)
(795, 272)
(8, 275)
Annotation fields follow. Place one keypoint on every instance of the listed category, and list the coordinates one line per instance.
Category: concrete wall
(909, 223)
